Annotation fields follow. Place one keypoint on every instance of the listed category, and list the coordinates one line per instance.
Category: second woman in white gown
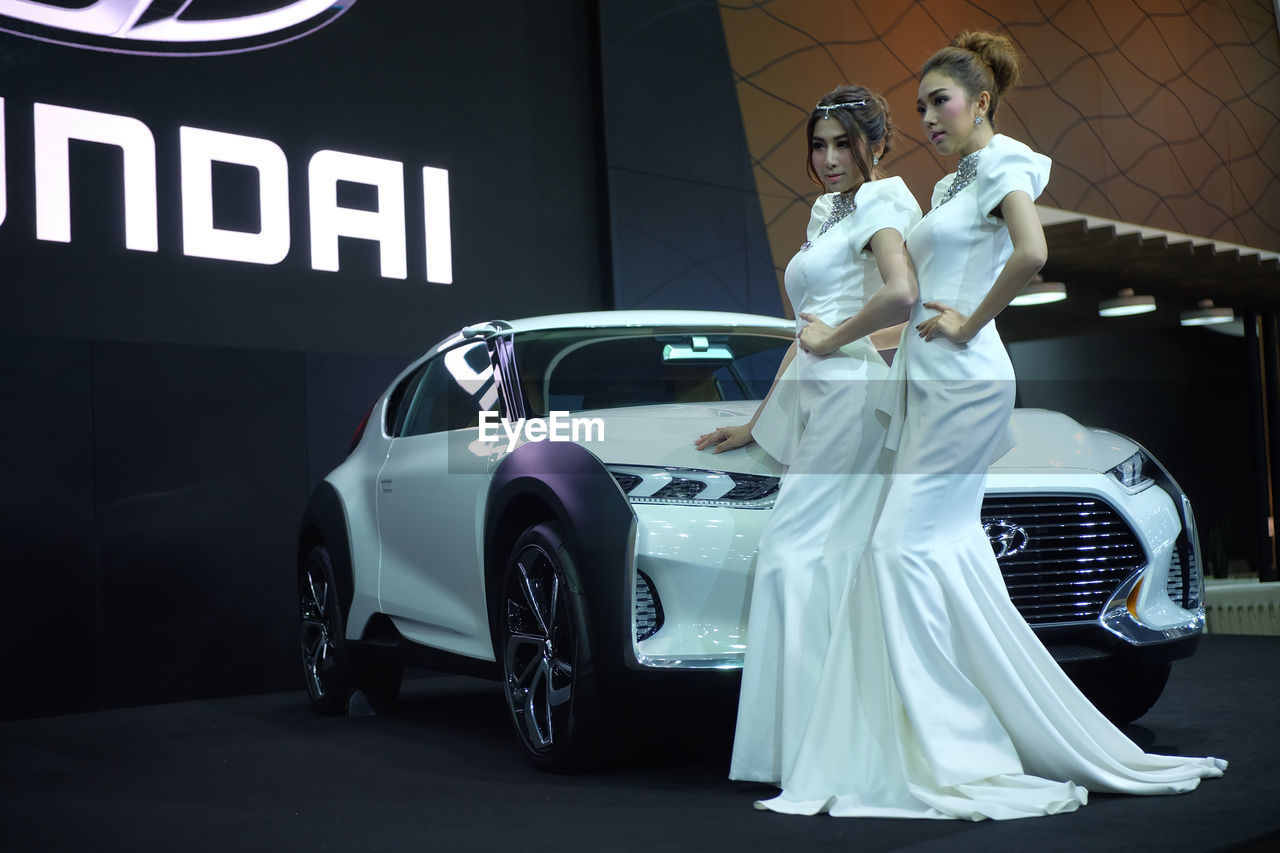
(819, 420)
(935, 699)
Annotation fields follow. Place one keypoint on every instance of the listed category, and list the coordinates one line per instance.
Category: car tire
(326, 663)
(545, 650)
(331, 669)
(1124, 692)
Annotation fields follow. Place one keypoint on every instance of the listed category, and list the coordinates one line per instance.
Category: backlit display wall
(363, 187)
(223, 234)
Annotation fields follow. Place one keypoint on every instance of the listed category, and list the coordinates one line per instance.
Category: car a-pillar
(554, 511)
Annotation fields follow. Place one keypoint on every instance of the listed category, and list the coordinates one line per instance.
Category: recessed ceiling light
(1206, 315)
(1040, 292)
(1126, 304)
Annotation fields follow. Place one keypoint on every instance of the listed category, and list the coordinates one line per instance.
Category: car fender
(565, 483)
(325, 522)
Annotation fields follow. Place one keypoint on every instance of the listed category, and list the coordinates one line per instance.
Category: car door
(430, 499)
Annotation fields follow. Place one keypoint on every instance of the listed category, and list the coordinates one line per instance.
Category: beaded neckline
(966, 172)
(841, 206)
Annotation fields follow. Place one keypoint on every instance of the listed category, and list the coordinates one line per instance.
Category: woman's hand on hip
(725, 438)
(948, 322)
(816, 337)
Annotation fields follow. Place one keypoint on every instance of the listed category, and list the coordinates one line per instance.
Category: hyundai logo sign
(1006, 537)
(168, 28)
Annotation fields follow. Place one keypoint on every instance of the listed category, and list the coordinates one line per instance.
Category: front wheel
(545, 649)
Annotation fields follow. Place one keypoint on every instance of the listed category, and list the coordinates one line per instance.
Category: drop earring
(875, 161)
(977, 121)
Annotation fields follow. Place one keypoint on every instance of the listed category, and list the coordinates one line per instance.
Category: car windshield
(581, 369)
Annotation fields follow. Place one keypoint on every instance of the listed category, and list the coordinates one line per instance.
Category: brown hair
(979, 62)
(863, 114)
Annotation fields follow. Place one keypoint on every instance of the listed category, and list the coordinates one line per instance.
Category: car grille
(1181, 592)
(1065, 556)
(648, 608)
(1175, 586)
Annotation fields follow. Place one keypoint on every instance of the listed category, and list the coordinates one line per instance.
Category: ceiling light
(1041, 292)
(1206, 315)
(1126, 304)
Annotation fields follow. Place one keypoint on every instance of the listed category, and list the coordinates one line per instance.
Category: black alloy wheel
(544, 645)
(326, 666)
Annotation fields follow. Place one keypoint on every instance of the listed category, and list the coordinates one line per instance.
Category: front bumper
(699, 561)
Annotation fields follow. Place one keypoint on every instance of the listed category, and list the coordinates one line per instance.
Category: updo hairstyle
(868, 120)
(979, 62)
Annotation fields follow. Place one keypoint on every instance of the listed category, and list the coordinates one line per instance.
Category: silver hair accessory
(829, 107)
(977, 121)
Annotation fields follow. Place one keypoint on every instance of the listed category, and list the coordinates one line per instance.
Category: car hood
(664, 435)
(1048, 439)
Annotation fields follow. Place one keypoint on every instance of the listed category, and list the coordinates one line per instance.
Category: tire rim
(538, 658)
(318, 651)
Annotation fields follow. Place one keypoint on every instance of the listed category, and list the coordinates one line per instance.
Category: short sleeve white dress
(936, 699)
(820, 422)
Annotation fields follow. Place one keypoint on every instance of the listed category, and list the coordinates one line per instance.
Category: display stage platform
(443, 772)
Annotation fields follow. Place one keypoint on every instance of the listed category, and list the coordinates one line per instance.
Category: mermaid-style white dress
(935, 699)
(820, 421)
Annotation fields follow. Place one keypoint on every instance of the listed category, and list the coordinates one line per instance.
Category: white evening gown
(935, 699)
(820, 421)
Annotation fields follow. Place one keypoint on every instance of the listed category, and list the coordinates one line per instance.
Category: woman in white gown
(819, 420)
(935, 698)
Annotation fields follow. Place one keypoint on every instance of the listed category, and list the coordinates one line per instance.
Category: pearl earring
(977, 121)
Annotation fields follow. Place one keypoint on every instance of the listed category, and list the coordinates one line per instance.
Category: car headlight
(694, 487)
(1132, 472)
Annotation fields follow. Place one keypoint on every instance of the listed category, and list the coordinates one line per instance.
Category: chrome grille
(1182, 593)
(1078, 551)
(627, 482)
(648, 608)
(1174, 585)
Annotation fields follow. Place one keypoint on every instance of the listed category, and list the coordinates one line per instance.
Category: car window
(398, 402)
(584, 369)
(752, 372)
(455, 387)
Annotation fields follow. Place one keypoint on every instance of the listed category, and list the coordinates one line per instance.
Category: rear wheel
(331, 669)
(545, 649)
(326, 665)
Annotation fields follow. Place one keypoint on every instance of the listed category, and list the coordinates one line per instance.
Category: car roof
(648, 317)
(634, 318)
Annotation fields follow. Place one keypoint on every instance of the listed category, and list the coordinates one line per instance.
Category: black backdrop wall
(164, 416)
(687, 230)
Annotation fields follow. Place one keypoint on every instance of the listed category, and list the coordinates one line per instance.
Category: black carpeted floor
(443, 773)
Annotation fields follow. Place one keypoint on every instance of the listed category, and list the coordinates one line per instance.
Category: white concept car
(525, 501)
